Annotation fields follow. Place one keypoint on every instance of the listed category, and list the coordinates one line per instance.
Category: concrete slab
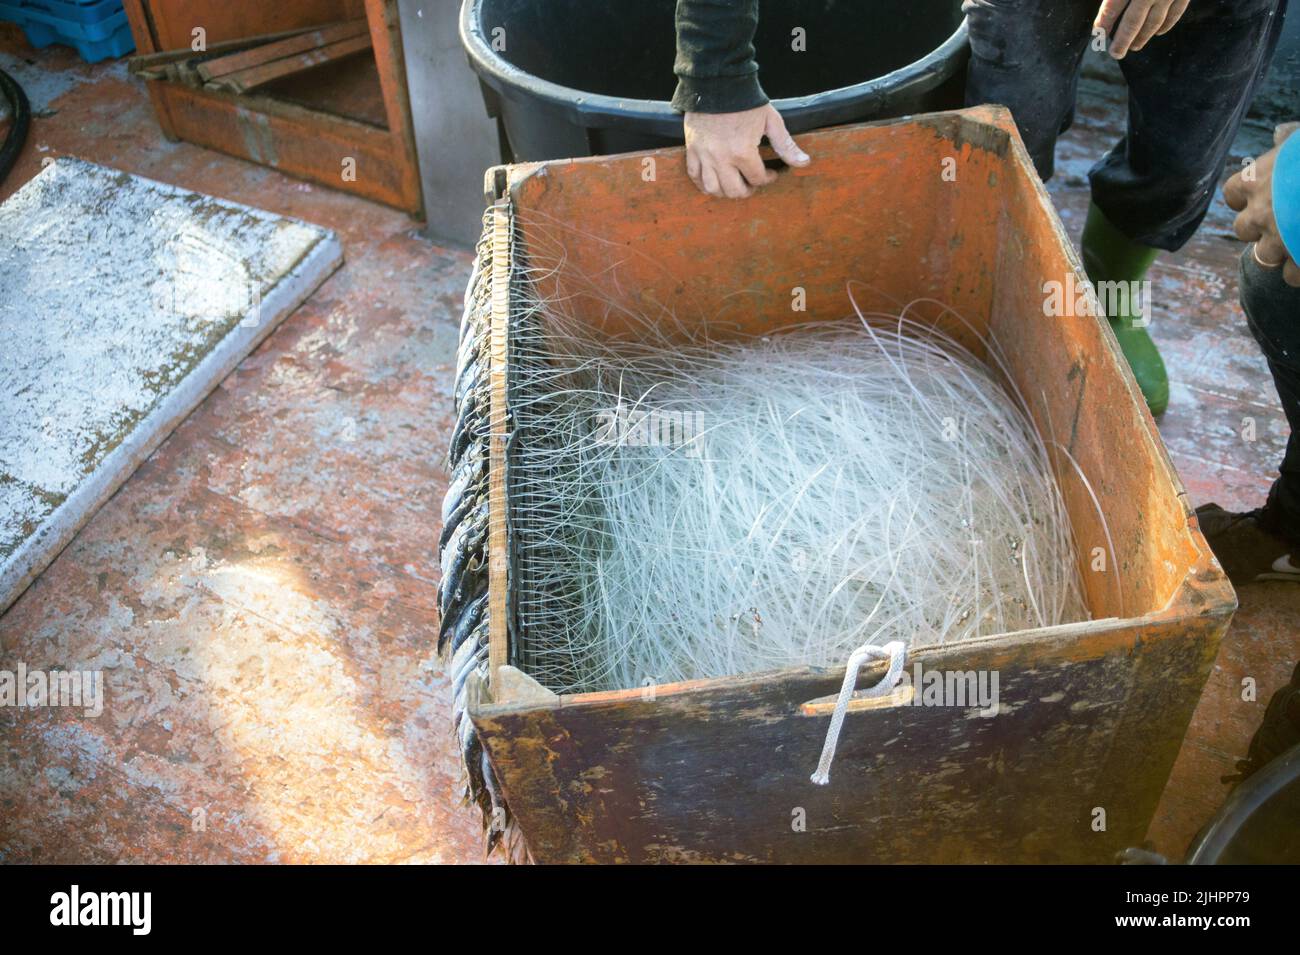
(125, 302)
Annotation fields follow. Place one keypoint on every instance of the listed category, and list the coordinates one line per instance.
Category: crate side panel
(722, 773)
(864, 212)
(1083, 396)
(175, 21)
(1169, 676)
(291, 139)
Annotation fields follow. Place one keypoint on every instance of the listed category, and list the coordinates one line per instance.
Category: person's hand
(1250, 194)
(722, 155)
(1139, 21)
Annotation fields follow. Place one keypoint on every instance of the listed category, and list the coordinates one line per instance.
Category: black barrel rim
(1218, 836)
(599, 110)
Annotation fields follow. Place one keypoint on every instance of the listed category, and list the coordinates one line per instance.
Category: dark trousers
(1188, 93)
(1273, 314)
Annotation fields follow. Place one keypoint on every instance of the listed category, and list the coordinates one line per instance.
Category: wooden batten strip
(153, 66)
(267, 52)
(256, 76)
(498, 344)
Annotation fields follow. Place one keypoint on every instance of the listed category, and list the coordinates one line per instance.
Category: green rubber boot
(1111, 256)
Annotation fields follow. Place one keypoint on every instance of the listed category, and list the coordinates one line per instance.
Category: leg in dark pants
(1273, 313)
(1025, 55)
(1264, 544)
(1188, 92)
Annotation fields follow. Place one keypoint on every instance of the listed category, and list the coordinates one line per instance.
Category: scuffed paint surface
(43, 86)
(261, 595)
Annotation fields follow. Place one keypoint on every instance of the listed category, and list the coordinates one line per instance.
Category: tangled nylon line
(691, 508)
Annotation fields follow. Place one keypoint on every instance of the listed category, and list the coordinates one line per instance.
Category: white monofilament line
(785, 499)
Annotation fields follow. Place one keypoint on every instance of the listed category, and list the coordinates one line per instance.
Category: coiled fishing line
(700, 508)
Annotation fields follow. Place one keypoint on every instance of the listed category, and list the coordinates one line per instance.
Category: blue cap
(1286, 194)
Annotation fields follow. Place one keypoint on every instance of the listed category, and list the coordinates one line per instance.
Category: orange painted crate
(1092, 713)
(374, 158)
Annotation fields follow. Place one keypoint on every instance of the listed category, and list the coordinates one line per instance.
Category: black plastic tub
(1257, 824)
(587, 77)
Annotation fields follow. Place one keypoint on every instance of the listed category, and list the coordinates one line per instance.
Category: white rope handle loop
(896, 652)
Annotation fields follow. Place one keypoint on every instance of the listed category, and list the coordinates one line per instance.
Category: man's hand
(1140, 21)
(1250, 193)
(722, 150)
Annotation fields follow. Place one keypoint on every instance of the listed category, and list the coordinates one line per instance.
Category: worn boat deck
(262, 592)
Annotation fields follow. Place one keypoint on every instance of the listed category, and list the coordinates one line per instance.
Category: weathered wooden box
(943, 207)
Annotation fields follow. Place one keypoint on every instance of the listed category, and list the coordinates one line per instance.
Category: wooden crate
(1092, 714)
(319, 135)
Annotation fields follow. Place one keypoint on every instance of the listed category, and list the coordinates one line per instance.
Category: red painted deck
(262, 592)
